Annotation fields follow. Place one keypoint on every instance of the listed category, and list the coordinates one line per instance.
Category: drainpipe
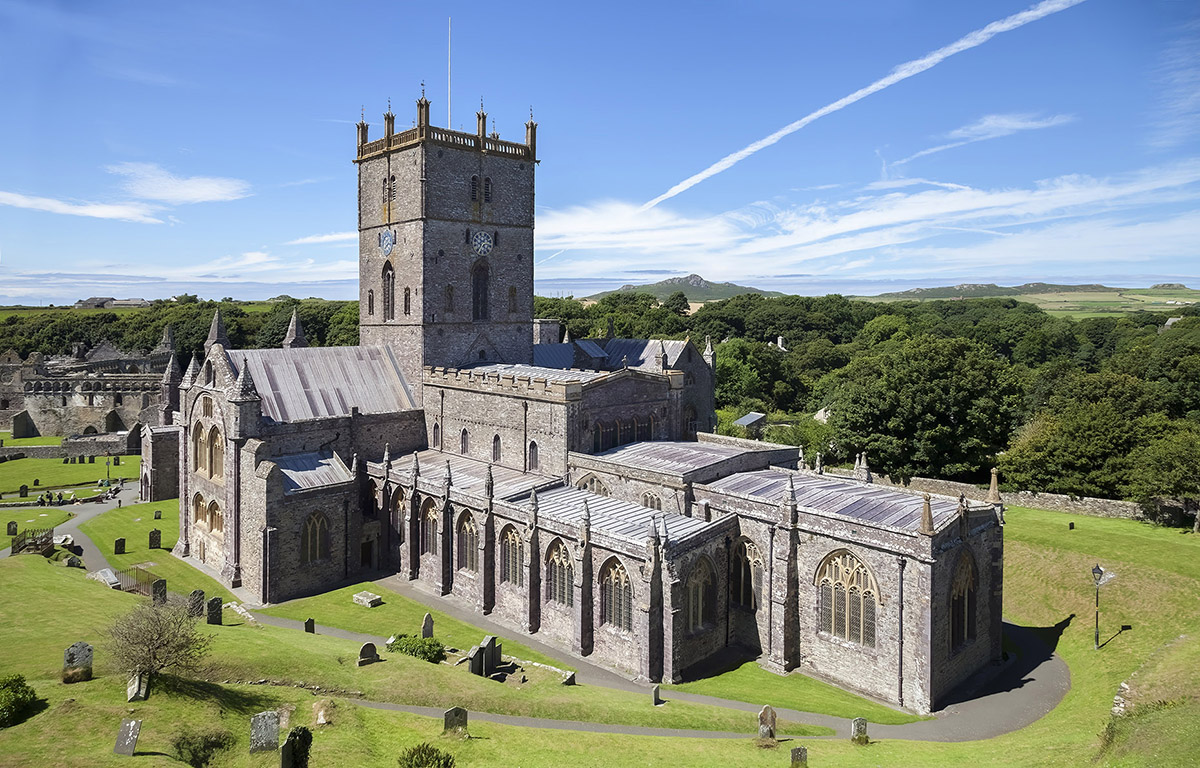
(900, 622)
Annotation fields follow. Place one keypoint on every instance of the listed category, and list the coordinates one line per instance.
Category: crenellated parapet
(502, 383)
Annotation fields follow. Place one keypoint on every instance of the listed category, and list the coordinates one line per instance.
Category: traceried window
(216, 521)
(962, 604)
(702, 596)
(389, 292)
(746, 586)
(533, 456)
(847, 598)
(512, 553)
(560, 575)
(468, 544)
(429, 529)
(651, 500)
(199, 448)
(592, 484)
(616, 596)
(199, 510)
(314, 539)
(496, 448)
(216, 455)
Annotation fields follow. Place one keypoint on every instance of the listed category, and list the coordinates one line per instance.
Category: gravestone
(367, 654)
(74, 562)
(12, 527)
(77, 663)
(72, 459)
(158, 591)
(196, 603)
(36, 482)
(491, 655)
(427, 626)
(475, 660)
(1070, 526)
(569, 679)
(310, 626)
(214, 611)
(295, 750)
(119, 547)
(91, 459)
(455, 719)
(656, 695)
(116, 461)
(158, 514)
(138, 688)
(264, 731)
(323, 712)
(799, 757)
(367, 599)
(766, 723)
(23, 491)
(858, 731)
(127, 737)
(66, 460)
(155, 539)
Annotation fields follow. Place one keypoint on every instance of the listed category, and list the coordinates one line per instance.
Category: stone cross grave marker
(158, 591)
(310, 626)
(367, 599)
(766, 723)
(858, 730)
(119, 547)
(196, 603)
(799, 757)
(12, 527)
(455, 719)
(138, 688)
(427, 626)
(475, 660)
(127, 737)
(367, 654)
(77, 663)
(264, 731)
(214, 610)
(158, 514)
(155, 539)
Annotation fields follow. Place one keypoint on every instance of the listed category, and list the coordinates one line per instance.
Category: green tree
(1168, 468)
(677, 303)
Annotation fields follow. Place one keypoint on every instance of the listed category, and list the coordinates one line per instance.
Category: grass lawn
(10, 441)
(52, 473)
(133, 523)
(34, 517)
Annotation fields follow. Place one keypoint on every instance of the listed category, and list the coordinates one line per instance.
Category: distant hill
(696, 288)
(983, 290)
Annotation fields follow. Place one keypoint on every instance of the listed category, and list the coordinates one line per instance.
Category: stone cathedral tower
(445, 222)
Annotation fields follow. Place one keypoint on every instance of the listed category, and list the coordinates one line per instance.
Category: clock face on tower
(481, 243)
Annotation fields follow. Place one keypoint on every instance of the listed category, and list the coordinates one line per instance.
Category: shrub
(425, 755)
(15, 697)
(424, 648)
(301, 739)
(197, 748)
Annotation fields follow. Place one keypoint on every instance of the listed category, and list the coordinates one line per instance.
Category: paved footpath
(1021, 692)
(93, 558)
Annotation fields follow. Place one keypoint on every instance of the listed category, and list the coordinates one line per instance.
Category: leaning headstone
(858, 731)
(475, 661)
(367, 654)
(74, 562)
(766, 723)
(158, 591)
(119, 547)
(214, 610)
(138, 688)
(23, 491)
(799, 757)
(455, 719)
(155, 539)
(127, 737)
(196, 603)
(427, 626)
(367, 599)
(310, 626)
(656, 695)
(158, 514)
(264, 731)
(569, 679)
(77, 663)
(12, 527)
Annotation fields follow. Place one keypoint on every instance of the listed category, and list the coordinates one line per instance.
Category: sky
(149, 149)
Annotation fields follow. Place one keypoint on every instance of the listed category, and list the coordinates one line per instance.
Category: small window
(370, 302)
(206, 405)
(393, 190)
(384, 187)
(467, 239)
(496, 448)
(449, 298)
(464, 442)
(407, 301)
(651, 501)
(487, 189)
(437, 434)
(118, 399)
(533, 457)
(474, 188)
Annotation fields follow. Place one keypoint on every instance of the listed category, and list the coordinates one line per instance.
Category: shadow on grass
(1034, 645)
(1124, 628)
(232, 699)
(36, 707)
(724, 660)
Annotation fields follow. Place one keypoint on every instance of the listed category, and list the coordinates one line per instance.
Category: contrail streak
(902, 72)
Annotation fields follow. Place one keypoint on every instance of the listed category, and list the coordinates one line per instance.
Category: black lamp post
(1097, 575)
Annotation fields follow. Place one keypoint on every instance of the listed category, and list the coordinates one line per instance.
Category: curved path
(93, 558)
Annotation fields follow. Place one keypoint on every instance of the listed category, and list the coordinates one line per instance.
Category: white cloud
(150, 181)
(137, 212)
(1178, 113)
(332, 237)
(990, 127)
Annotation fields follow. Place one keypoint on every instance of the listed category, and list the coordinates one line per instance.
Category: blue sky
(151, 148)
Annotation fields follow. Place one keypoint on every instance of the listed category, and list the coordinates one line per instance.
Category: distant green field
(251, 307)
(1080, 304)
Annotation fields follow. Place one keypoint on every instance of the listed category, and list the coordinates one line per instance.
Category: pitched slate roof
(845, 498)
(670, 456)
(554, 355)
(469, 474)
(305, 471)
(319, 382)
(641, 352)
(614, 517)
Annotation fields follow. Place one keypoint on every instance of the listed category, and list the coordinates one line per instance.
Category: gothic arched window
(560, 575)
(702, 596)
(651, 500)
(392, 195)
(437, 434)
(746, 586)
(962, 603)
(468, 544)
(848, 597)
(429, 528)
(487, 189)
(533, 456)
(479, 292)
(689, 421)
(199, 510)
(616, 596)
(216, 521)
(626, 432)
(370, 302)
(512, 553)
(216, 454)
(389, 292)
(474, 188)
(496, 448)
(592, 484)
(464, 442)
(314, 539)
(199, 448)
